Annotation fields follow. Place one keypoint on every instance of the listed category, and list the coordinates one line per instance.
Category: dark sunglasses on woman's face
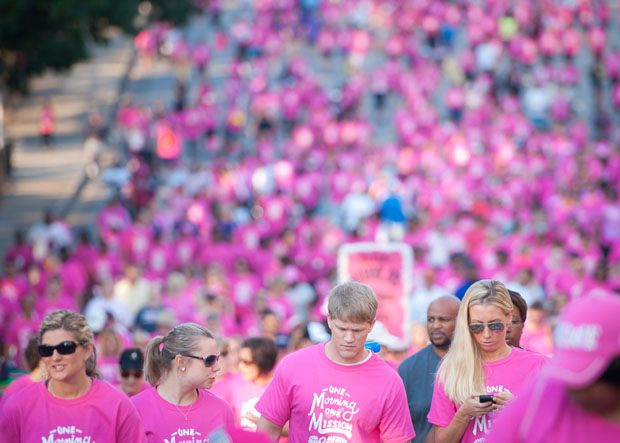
(64, 348)
(127, 373)
(209, 360)
(495, 326)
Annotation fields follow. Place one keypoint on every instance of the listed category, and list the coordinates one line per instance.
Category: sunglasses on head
(209, 360)
(126, 373)
(495, 326)
(64, 348)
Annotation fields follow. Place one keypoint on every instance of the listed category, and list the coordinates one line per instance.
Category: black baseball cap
(132, 359)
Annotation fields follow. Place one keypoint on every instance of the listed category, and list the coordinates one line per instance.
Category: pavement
(49, 178)
(55, 179)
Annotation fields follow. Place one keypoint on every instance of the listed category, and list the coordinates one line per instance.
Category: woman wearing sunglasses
(181, 367)
(479, 363)
(73, 404)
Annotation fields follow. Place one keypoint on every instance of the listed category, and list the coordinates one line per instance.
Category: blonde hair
(352, 301)
(460, 371)
(75, 324)
(183, 339)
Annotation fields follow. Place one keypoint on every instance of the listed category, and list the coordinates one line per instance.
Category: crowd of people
(457, 128)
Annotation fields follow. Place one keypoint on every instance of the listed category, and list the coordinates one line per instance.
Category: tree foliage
(39, 34)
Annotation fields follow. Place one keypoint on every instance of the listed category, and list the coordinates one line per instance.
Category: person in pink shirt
(347, 393)
(54, 298)
(20, 253)
(577, 398)
(73, 404)
(23, 324)
(109, 348)
(180, 368)
(257, 358)
(228, 377)
(479, 364)
(32, 362)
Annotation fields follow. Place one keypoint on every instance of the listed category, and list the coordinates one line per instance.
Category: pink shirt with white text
(164, 421)
(337, 403)
(102, 414)
(509, 373)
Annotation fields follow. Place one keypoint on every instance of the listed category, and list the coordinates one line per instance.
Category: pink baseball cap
(587, 339)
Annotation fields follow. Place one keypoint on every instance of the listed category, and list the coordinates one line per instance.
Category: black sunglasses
(495, 326)
(209, 360)
(64, 348)
(126, 373)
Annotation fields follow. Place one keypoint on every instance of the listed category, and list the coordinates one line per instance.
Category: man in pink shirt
(338, 391)
(577, 398)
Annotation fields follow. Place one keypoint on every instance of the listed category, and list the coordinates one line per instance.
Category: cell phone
(486, 399)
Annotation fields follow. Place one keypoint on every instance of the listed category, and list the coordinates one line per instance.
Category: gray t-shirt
(418, 374)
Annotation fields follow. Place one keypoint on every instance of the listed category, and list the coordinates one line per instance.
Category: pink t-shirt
(102, 414)
(226, 385)
(16, 385)
(511, 373)
(164, 421)
(544, 413)
(244, 397)
(364, 402)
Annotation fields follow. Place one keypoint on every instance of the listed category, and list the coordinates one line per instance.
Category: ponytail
(153, 365)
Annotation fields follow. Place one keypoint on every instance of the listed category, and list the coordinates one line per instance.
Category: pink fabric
(162, 420)
(136, 242)
(544, 412)
(13, 289)
(21, 255)
(244, 398)
(19, 333)
(109, 367)
(45, 306)
(102, 414)
(225, 386)
(511, 373)
(338, 400)
(16, 385)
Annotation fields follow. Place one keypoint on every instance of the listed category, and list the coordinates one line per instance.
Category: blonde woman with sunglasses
(480, 373)
(73, 404)
(180, 368)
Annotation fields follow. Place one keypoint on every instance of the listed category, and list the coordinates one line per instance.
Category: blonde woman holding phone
(480, 373)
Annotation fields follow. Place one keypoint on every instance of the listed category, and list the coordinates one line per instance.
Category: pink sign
(386, 268)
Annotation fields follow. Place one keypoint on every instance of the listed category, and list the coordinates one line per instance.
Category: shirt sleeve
(129, 426)
(396, 426)
(442, 408)
(275, 403)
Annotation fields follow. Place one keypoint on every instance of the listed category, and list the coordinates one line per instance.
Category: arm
(453, 433)
(430, 437)
(270, 428)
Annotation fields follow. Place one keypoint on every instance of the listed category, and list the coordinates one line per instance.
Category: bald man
(418, 371)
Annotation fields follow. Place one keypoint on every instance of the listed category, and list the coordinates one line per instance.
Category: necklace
(185, 414)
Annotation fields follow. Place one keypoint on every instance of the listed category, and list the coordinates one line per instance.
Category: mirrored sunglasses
(495, 326)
